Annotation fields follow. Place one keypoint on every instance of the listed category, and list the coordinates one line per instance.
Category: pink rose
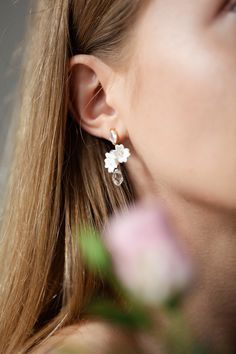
(146, 256)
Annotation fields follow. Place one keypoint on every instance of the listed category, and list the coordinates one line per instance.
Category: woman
(162, 73)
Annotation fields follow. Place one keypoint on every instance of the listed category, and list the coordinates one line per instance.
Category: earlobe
(89, 86)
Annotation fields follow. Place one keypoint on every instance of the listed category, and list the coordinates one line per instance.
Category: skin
(175, 108)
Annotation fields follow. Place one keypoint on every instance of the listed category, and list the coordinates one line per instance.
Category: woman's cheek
(185, 110)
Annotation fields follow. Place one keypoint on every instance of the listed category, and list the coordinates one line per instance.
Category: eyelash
(229, 6)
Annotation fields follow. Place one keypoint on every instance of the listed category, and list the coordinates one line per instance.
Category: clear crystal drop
(117, 177)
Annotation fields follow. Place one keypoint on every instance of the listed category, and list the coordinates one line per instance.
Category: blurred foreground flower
(139, 255)
(146, 256)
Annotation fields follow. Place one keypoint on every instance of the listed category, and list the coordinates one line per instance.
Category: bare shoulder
(77, 335)
(96, 337)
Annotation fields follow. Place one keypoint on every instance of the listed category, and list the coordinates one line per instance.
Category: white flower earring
(116, 156)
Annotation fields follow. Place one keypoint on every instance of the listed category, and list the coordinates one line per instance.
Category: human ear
(90, 82)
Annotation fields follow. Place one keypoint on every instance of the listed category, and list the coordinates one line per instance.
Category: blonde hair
(57, 179)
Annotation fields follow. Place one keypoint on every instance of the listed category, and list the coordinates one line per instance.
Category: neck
(210, 237)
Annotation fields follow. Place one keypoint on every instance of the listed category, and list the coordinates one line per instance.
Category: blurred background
(13, 15)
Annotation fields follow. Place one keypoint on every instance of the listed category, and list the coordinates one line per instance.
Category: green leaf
(177, 335)
(93, 250)
(174, 301)
(135, 318)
